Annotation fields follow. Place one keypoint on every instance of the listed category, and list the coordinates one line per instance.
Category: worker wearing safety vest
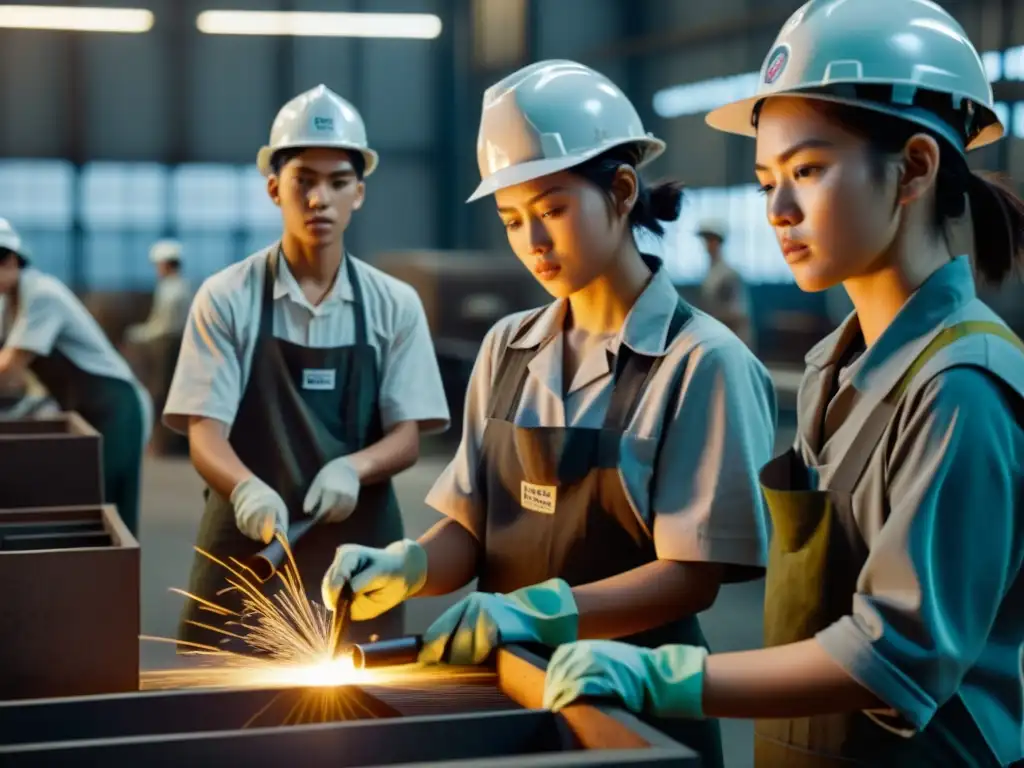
(306, 376)
(894, 609)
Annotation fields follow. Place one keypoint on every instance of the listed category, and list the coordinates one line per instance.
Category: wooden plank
(521, 677)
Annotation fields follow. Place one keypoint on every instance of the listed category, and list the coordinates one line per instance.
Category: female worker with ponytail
(894, 609)
(606, 483)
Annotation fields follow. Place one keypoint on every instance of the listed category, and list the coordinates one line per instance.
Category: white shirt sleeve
(411, 387)
(38, 323)
(707, 500)
(208, 378)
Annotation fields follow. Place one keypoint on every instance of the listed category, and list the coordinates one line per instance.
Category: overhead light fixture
(75, 18)
(423, 26)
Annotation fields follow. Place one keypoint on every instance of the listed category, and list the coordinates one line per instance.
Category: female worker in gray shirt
(606, 483)
(895, 601)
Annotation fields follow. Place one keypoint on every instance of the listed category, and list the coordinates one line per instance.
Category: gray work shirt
(220, 338)
(49, 319)
(701, 499)
(939, 608)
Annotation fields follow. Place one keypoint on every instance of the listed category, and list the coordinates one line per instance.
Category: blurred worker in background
(723, 293)
(305, 376)
(895, 600)
(171, 299)
(49, 332)
(606, 482)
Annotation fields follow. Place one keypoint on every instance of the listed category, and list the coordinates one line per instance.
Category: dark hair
(654, 204)
(283, 156)
(997, 212)
(6, 253)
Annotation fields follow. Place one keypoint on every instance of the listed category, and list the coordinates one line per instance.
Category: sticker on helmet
(323, 123)
(776, 64)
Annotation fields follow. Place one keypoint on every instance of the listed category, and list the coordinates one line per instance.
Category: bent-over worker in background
(48, 331)
(894, 608)
(606, 482)
(306, 376)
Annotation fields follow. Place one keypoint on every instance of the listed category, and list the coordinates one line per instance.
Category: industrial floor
(172, 505)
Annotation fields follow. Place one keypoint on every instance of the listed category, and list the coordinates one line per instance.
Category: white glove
(259, 510)
(334, 493)
(380, 578)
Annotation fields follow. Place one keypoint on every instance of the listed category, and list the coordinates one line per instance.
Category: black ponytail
(654, 204)
(997, 213)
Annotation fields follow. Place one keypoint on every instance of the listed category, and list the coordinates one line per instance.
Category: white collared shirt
(50, 318)
(701, 498)
(220, 338)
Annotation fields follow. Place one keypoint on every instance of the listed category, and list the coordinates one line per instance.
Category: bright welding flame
(291, 634)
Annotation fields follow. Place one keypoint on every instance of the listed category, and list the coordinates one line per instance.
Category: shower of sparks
(290, 633)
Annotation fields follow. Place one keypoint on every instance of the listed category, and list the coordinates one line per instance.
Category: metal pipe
(387, 653)
(268, 560)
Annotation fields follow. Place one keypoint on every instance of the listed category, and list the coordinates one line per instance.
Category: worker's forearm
(452, 555)
(795, 680)
(213, 457)
(398, 450)
(645, 597)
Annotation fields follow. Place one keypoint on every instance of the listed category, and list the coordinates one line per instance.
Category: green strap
(943, 340)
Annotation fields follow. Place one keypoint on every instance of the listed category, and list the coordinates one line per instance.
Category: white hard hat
(551, 116)
(165, 250)
(10, 240)
(712, 227)
(317, 118)
(828, 47)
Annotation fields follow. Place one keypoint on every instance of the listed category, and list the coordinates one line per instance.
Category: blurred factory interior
(112, 140)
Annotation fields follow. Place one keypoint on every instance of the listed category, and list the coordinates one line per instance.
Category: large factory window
(38, 196)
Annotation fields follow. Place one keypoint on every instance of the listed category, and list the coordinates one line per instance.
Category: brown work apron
(285, 433)
(590, 532)
(815, 557)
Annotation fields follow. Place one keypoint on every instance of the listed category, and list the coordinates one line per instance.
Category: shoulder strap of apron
(633, 371)
(852, 466)
(512, 369)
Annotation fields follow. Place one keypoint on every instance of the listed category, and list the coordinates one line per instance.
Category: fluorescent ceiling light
(423, 26)
(75, 18)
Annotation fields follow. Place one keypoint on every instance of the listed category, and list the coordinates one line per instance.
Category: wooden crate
(455, 725)
(70, 615)
(52, 462)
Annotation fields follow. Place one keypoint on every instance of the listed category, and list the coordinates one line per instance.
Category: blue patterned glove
(665, 682)
(468, 631)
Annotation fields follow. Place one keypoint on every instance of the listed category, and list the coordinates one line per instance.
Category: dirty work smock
(302, 407)
(897, 537)
(83, 372)
(548, 500)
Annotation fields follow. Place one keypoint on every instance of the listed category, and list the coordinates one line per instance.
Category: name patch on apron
(538, 498)
(313, 378)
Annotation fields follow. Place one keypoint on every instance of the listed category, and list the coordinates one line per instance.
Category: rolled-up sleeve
(940, 567)
(38, 323)
(456, 494)
(707, 500)
(207, 381)
(411, 387)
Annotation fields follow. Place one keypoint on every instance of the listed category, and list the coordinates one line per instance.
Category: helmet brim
(536, 169)
(265, 156)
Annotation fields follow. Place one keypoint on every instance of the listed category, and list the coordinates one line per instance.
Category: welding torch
(380, 653)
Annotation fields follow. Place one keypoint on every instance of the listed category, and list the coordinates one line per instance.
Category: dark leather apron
(814, 560)
(285, 433)
(586, 530)
(112, 407)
